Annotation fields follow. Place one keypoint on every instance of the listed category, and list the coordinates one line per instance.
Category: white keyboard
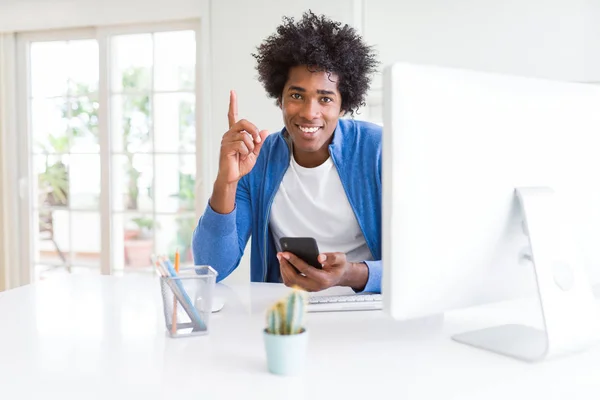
(350, 302)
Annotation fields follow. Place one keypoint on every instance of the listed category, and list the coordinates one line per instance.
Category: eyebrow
(320, 91)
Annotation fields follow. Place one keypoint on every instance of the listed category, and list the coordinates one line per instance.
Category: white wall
(27, 15)
(542, 38)
(592, 41)
(4, 186)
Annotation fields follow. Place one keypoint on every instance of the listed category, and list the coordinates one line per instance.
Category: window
(111, 147)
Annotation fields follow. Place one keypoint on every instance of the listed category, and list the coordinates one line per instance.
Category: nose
(310, 110)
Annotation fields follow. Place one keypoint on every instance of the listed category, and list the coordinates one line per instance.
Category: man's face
(311, 105)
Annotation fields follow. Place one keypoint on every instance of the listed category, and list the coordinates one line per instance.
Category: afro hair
(323, 44)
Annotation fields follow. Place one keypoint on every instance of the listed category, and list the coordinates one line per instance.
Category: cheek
(331, 116)
(289, 109)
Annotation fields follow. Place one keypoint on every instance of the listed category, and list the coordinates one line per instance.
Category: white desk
(104, 338)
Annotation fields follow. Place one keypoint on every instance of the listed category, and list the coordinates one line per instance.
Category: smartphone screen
(303, 247)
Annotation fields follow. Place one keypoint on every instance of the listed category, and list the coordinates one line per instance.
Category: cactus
(286, 317)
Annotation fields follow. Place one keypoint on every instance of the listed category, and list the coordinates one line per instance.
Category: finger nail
(322, 258)
(279, 257)
(286, 256)
(258, 138)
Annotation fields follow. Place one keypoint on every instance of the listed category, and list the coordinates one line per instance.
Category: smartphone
(302, 247)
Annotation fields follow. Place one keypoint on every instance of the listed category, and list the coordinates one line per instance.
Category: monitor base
(517, 341)
(570, 320)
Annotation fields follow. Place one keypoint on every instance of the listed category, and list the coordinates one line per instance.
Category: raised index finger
(233, 109)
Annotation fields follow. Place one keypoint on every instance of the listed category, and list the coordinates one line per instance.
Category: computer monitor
(483, 176)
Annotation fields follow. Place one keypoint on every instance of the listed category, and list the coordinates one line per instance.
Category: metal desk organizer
(190, 296)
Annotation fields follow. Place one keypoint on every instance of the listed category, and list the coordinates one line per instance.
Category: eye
(326, 99)
(296, 96)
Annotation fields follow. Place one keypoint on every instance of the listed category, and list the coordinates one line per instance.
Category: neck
(311, 159)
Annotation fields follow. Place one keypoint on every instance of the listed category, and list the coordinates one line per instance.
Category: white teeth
(309, 130)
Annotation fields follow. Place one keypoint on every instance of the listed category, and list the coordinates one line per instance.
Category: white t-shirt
(311, 202)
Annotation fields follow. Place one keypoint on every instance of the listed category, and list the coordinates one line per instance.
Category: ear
(279, 102)
(342, 113)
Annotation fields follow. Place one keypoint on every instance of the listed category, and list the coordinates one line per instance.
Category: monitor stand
(568, 307)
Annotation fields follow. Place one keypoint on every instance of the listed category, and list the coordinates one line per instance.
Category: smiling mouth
(308, 130)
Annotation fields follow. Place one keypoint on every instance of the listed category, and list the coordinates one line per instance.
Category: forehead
(312, 80)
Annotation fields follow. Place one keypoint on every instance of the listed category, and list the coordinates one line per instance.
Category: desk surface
(104, 338)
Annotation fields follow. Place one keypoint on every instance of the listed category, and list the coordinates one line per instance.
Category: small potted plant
(285, 336)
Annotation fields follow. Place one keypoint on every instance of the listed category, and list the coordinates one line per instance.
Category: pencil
(174, 322)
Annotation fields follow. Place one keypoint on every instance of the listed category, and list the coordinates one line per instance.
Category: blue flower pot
(286, 354)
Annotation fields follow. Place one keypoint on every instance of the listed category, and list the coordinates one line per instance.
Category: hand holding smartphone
(302, 247)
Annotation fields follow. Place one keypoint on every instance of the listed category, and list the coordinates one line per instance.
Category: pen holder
(187, 300)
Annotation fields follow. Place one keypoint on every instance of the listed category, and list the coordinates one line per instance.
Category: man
(319, 177)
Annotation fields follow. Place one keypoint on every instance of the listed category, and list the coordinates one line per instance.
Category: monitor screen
(456, 145)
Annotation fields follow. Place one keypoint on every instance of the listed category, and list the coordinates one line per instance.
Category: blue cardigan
(219, 240)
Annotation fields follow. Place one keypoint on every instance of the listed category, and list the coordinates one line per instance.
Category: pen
(161, 270)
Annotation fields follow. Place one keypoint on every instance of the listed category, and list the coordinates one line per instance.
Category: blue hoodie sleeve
(219, 240)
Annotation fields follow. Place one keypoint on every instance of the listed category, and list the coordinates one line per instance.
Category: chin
(307, 146)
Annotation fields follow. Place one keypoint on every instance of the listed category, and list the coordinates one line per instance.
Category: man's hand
(240, 147)
(337, 271)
